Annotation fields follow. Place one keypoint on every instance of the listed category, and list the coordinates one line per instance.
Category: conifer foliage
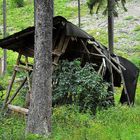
(102, 4)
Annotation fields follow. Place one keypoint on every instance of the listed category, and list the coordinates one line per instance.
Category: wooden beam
(108, 60)
(18, 68)
(100, 68)
(11, 83)
(118, 63)
(18, 109)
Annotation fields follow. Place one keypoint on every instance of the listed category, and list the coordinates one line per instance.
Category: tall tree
(111, 4)
(111, 10)
(39, 118)
(79, 14)
(4, 35)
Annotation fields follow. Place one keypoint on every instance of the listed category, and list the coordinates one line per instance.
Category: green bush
(81, 86)
(17, 3)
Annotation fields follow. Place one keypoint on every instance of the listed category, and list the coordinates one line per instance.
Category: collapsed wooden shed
(70, 42)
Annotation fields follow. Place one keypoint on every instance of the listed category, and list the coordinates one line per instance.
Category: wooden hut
(70, 42)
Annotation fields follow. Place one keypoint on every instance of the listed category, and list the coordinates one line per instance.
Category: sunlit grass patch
(137, 28)
(129, 18)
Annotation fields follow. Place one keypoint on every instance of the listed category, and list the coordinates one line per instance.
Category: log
(18, 109)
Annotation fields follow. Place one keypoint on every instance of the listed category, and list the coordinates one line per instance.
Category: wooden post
(28, 74)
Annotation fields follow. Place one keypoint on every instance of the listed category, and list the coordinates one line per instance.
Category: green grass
(129, 18)
(120, 122)
(137, 28)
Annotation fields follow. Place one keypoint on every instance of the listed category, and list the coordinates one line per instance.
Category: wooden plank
(28, 74)
(108, 60)
(61, 48)
(100, 68)
(18, 109)
(19, 68)
(64, 47)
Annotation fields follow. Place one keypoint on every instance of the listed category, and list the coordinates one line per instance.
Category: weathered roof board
(23, 41)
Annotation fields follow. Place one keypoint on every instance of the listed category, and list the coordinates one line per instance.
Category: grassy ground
(116, 123)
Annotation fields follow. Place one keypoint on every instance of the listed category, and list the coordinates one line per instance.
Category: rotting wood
(104, 67)
(27, 73)
(55, 64)
(118, 63)
(60, 49)
(19, 88)
(11, 83)
(19, 68)
(86, 49)
(66, 41)
(84, 46)
(100, 68)
(101, 55)
(18, 109)
(108, 60)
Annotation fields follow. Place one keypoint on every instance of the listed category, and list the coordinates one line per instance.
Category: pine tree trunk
(111, 25)
(111, 38)
(4, 35)
(39, 119)
(79, 14)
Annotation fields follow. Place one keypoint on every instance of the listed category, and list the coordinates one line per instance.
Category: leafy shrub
(17, 3)
(81, 86)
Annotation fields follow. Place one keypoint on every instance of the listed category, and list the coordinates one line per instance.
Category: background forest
(115, 123)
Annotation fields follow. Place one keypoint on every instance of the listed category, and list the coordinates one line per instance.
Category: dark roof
(23, 41)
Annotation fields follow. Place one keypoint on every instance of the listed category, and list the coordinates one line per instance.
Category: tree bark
(79, 14)
(111, 38)
(4, 68)
(111, 25)
(39, 119)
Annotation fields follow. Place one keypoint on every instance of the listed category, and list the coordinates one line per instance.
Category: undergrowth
(120, 122)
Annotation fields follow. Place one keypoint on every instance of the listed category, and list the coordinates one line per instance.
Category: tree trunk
(111, 38)
(111, 25)
(39, 119)
(79, 14)
(4, 63)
